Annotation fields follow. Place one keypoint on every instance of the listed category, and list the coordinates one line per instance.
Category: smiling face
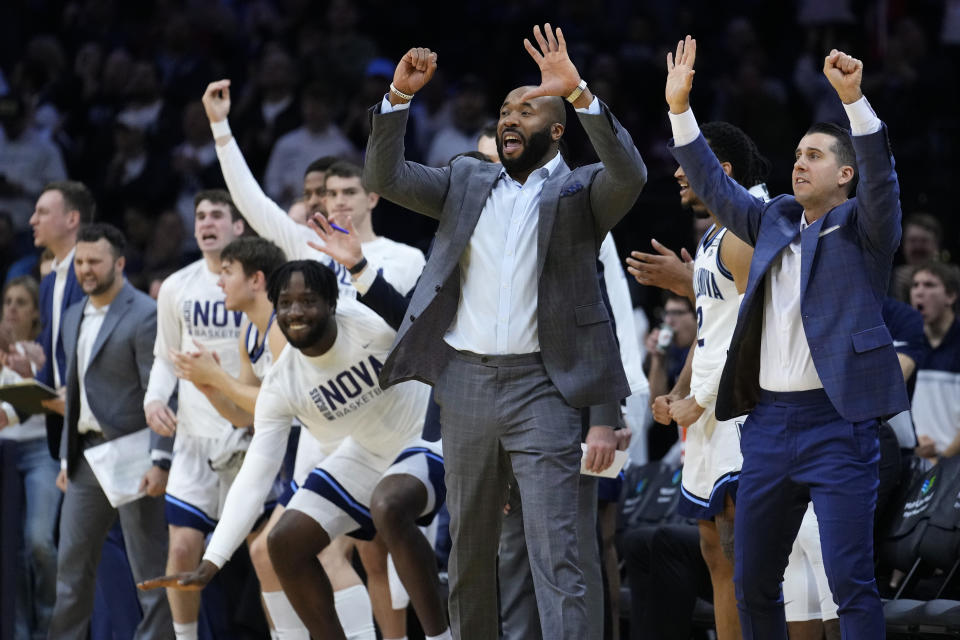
(302, 314)
(96, 267)
(818, 176)
(238, 288)
(213, 227)
(527, 131)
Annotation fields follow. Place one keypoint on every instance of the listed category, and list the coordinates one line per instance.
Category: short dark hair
(76, 197)
(670, 296)
(842, 147)
(101, 230)
(321, 164)
(318, 277)
(476, 155)
(217, 196)
(488, 130)
(946, 273)
(254, 254)
(731, 144)
(344, 169)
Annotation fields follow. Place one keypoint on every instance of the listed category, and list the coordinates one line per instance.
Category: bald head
(551, 106)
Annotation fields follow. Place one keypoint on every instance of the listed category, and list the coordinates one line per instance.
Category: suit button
(412, 317)
(437, 288)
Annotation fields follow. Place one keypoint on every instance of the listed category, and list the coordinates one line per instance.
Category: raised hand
(216, 100)
(343, 247)
(558, 76)
(187, 581)
(415, 69)
(663, 269)
(845, 73)
(680, 75)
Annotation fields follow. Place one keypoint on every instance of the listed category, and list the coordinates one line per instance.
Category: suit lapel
(809, 240)
(116, 311)
(477, 192)
(549, 203)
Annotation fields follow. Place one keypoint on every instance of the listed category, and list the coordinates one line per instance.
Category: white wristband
(220, 128)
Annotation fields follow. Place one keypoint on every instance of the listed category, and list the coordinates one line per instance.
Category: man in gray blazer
(108, 337)
(507, 322)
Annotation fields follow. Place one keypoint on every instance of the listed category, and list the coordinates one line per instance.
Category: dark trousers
(796, 448)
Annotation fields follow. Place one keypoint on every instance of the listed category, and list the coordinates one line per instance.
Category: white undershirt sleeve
(163, 379)
(685, 127)
(863, 119)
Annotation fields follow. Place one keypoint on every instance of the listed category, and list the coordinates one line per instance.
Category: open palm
(680, 75)
(558, 76)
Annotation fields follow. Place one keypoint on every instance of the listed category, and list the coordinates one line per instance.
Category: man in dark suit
(60, 210)
(507, 322)
(811, 358)
(109, 337)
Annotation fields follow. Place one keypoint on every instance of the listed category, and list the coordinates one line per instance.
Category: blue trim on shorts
(183, 514)
(692, 506)
(326, 486)
(435, 472)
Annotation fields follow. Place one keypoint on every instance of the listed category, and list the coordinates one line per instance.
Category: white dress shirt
(497, 314)
(785, 360)
(89, 328)
(59, 285)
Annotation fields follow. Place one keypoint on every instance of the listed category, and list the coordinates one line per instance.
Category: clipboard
(25, 396)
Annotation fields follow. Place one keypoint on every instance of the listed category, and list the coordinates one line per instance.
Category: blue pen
(338, 228)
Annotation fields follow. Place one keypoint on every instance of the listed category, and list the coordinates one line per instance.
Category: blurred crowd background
(108, 92)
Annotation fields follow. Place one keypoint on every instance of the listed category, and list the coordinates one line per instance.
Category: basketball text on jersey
(210, 319)
(348, 390)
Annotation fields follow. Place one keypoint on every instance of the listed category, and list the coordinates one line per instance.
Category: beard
(104, 285)
(534, 149)
(312, 336)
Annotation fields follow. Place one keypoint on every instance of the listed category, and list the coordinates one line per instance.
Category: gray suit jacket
(117, 374)
(577, 209)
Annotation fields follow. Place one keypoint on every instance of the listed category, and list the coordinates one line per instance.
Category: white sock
(355, 613)
(185, 630)
(286, 623)
(443, 636)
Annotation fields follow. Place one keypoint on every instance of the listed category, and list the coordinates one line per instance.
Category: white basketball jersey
(718, 303)
(261, 359)
(338, 394)
(190, 306)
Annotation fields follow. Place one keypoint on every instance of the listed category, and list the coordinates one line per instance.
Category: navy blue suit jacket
(54, 353)
(846, 258)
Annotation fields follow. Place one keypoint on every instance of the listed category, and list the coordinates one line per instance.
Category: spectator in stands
(19, 327)
(469, 114)
(319, 136)
(194, 161)
(268, 110)
(936, 397)
(920, 244)
(28, 161)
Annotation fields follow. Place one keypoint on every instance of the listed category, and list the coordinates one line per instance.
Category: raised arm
(731, 203)
(411, 185)
(618, 184)
(878, 191)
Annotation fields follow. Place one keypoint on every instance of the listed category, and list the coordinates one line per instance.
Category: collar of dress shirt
(90, 310)
(545, 171)
(61, 267)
